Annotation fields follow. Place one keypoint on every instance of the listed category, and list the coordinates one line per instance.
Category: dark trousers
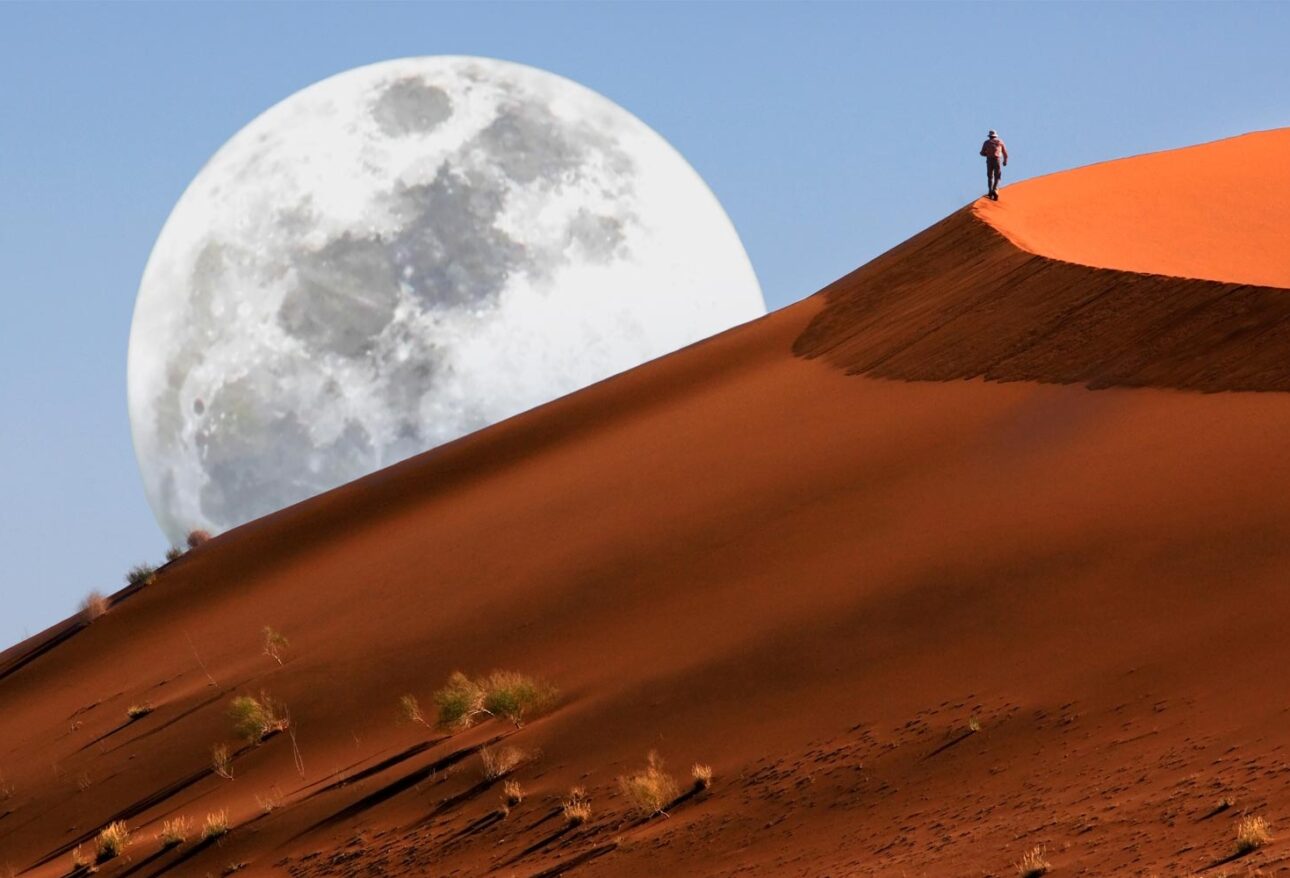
(993, 172)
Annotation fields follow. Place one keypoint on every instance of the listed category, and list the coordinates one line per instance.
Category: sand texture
(981, 548)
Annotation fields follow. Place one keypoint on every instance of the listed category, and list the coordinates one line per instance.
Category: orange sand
(818, 582)
(1219, 211)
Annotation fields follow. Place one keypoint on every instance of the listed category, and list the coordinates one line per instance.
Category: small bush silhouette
(141, 574)
(216, 825)
(650, 790)
(702, 775)
(174, 553)
(512, 792)
(1033, 863)
(222, 761)
(93, 606)
(577, 807)
(410, 710)
(197, 537)
(111, 842)
(274, 644)
(502, 694)
(138, 711)
(174, 832)
(1251, 833)
(501, 761)
(254, 719)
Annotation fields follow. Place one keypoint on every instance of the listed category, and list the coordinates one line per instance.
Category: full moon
(400, 255)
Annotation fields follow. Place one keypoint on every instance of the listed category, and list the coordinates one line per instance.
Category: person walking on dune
(994, 152)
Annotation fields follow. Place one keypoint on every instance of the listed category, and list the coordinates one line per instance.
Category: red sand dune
(917, 624)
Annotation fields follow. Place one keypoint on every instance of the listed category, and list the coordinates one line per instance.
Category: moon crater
(400, 255)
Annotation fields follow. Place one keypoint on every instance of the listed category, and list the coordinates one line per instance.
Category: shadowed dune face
(915, 627)
(1060, 283)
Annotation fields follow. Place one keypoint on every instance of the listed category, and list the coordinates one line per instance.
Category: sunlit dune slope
(1219, 211)
(917, 624)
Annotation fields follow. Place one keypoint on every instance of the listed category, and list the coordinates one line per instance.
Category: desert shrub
(512, 792)
(513, 696)
(651, 790)
(1251, 833)
(93, 606)
(501, 761)
(459, 702)
(174, 832)
(254, 719)
(410, 710)
(502, 694)
(141, 574)
(274, 644)
(111, 842)
(1033, 863)
(702, 775)
(222, 761)
(216, 825)
(197, 537)
(577, 807)
(79, 860)
(138, 711)
(174, 553)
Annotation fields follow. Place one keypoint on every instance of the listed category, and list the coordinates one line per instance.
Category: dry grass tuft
(503, 694)
(138, 711)
(111, 842)
(1033, 863)
(1251, 833)
(254, 719)
(93, 606)
(79, 860)
(141, 574)
(410, 710)
(702, 775)
(275, 644)
(174, 553)
(222, 761)
(216, 825)
(650, 790)
(270, 803)
(576, 808)
(512, 792)
(197, 537)
(501, 761)
(174, 832)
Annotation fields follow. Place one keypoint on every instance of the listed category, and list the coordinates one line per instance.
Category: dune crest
(1217, 211)
(1060, 283)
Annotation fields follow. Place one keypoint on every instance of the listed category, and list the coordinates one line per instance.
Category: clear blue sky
(830, 132)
